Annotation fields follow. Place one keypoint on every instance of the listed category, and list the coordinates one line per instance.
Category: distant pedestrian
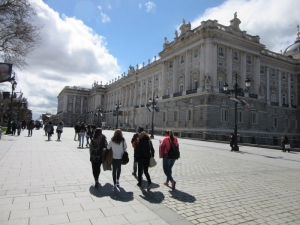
(50, 130)
(134, 141)
(77, 130)
(14, 127)
(89, 134)
(97, 145)
(30, 127)
(23, 124)
(45, 128)
(232, 141)
(118, 145)
(284, 141)
(59, 130)
(168, 164)
(19, 128)
(82, 132)
(142, 153)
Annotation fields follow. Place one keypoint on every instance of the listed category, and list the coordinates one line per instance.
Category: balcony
(285, 105)
(136, 106)
(192, 91)
(275, 103)
(240, 94)
(253, 96)
(177, 94)
(165, 96)
(142, 105)
(294, 106)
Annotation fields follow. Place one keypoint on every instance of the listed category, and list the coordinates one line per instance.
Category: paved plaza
(51, 182)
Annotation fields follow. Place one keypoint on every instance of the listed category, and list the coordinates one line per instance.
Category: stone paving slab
(51, 182)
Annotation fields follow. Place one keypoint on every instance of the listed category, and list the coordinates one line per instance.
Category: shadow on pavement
(118, 194)
(182, 196)
(272, 157)
(154, 197)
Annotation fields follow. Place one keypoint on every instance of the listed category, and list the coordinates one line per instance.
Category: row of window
(284, 99)
(235, 55)
(273, 73)
(196, 53)
(225, 117)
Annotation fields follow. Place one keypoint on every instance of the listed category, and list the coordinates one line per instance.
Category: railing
(240, 94)
(275, 103)
(294, 106)
(177, 94)
(192, 91)
(253, 96)
(142, 105)
(165, 96)
(136, 106)
(285, 105)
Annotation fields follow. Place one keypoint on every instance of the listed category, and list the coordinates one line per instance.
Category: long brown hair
(118, 136)
(171, 135)
(97, 133)
(144, 135)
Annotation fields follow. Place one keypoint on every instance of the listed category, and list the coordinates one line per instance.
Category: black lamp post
(13, 87)
(236, 91)
(118, 105)
(152, 104)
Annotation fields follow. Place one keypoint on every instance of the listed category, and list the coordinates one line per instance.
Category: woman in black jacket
(142, 153)
(97, 145)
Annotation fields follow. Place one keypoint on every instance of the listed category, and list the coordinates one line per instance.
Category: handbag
(125, 157)
(152, 162)
(287, 146)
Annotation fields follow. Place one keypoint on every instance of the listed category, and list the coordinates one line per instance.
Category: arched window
(273, 97)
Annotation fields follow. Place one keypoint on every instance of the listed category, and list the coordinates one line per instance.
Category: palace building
(188, 79)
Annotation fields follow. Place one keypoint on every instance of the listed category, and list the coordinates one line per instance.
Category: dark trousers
(58, 135)
(29, 132)
(116, 171)
(143, 166)
(96, 167)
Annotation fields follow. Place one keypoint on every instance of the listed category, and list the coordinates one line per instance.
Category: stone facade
(189, 77)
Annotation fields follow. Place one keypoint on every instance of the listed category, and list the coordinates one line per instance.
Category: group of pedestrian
(84, 132)
(143, 151)
(18, 126)
(49, 130)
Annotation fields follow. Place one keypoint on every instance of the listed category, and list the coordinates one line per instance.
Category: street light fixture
(236, 91)
(13, 87)
(152, 104)
(118, 105)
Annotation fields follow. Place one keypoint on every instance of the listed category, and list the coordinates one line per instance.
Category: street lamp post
(118, 105)
(13, 87)
(152, 104)
(236, 90)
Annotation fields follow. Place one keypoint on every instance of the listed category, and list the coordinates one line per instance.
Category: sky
(83, 41)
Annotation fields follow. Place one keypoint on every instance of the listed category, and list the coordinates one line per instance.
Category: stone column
(268, 86)
(208, 48)
(243, 70)
(289, 90)
(163, 79)
(74, 103)
(201, 82)
(279, 88)
(187, 76)
(141, 92)
(135, 93)
(175, 76)
(229, 66)
(214, 69)
(256, 81)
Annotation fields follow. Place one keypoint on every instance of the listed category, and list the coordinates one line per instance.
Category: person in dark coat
(97, 145)
(14, 127)
(134, 141)
(142, 153)
(284, 141)
(232, 140)
(77, 130)
(30, 127)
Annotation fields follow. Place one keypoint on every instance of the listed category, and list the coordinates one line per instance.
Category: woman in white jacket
(118, 145)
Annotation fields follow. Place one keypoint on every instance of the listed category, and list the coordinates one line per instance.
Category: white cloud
(104, 17)
(274, 21)
(140, 6)
(71, 54)
(150, 6)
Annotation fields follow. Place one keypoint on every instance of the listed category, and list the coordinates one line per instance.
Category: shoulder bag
(152, 162)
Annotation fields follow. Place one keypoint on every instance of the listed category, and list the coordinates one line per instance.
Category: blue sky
(83, 41)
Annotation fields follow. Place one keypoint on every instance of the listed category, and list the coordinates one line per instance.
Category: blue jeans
(81, 139)
(167, 166)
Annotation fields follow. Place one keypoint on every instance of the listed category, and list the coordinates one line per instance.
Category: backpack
(135, 140)
(174, 151)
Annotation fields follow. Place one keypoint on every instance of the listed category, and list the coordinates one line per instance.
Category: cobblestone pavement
(50, 182)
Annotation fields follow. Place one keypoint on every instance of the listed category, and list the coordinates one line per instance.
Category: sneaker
(114, 186)
(149, 187)
(173, 185)
(134, 174)
(166, 183)
(118, 183)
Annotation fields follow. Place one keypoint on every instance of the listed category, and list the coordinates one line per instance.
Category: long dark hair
(97, 133)
(144, 135)
(118, 137)
(171, 135)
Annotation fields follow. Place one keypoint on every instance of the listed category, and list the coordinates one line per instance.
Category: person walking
(30, 127)
(168, 164)
(23, 124)
(50, 129)
(19, 128)
(232, 141)
(89, 135)
(82, 132)
(77, 130)
(97, 145)
(134, 141)
(284, 141)
(45, 128)
(118, 145)
(142, 153)
(59, 129)
(14, 127)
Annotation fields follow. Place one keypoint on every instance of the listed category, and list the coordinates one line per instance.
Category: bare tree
(18, 34)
